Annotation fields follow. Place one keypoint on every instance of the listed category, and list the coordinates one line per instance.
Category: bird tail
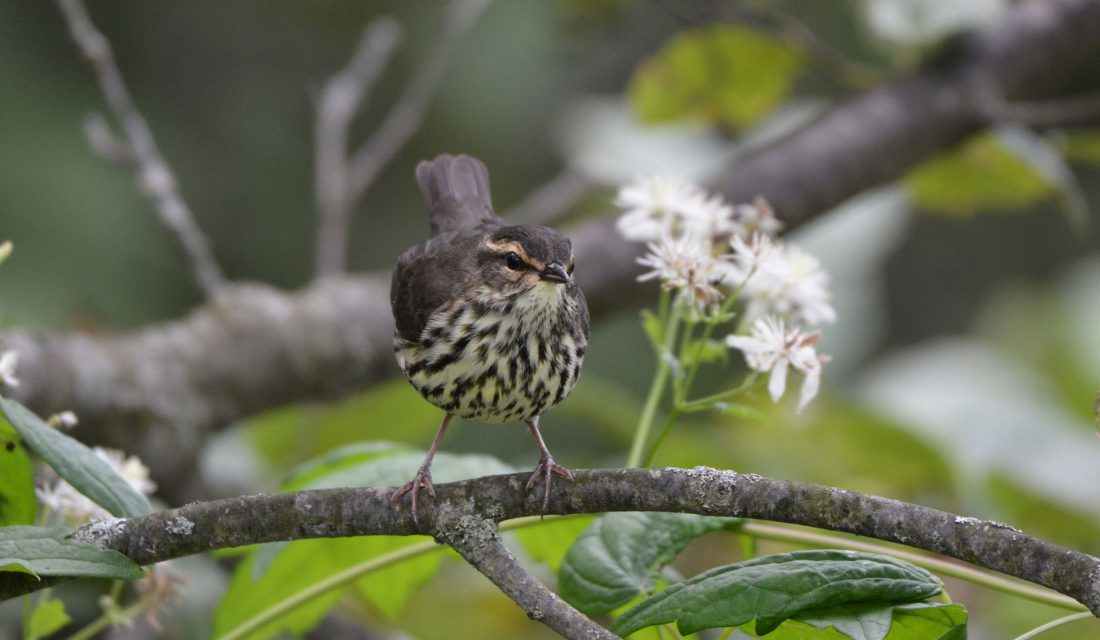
(456, 189)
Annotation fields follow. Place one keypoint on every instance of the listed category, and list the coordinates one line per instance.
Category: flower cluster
(706, 250)
(74, 508)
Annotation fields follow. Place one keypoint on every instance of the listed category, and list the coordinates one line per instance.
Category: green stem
(751, 380)
(349, 575)
(660, 379)
(953, 569)
(113, 617)
(665, 428)
(1073, 617)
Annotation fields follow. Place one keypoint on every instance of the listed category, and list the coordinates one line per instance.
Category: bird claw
(545, 469)
(422, 479)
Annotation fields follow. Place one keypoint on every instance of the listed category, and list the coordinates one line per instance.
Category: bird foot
(422, 479)
(545, 469)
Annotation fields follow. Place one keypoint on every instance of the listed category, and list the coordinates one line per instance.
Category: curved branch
(204, 526)
(253, 349)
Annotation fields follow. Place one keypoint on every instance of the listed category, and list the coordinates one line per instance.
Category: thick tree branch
(257, 348)
(141, 155)
(204, 526)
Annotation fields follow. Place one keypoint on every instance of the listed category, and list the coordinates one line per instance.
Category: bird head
(527, 258)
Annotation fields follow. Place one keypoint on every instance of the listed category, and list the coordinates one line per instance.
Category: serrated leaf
(48, 618)
(617, 557)
(774, 588)
(46, 551)
(17, 501)
(980, 175)
(725, 75)
(76, 463)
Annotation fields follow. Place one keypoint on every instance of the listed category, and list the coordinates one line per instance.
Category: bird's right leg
(423, 477)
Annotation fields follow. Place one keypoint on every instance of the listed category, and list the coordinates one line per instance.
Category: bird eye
(514, 262)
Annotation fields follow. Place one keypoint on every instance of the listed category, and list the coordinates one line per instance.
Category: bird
(490, 323)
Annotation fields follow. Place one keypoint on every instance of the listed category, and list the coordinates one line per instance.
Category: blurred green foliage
(720, 75)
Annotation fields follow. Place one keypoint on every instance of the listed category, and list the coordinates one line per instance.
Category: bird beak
(554, 272)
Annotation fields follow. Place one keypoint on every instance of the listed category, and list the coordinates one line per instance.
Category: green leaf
(549, 540)
(725, 75)
(48, 618)
(617, 557)
(774, 588)
(313, 472)
(46, 551)
(929, 622)
(654, 329)
(17, 501)
(704, 352)
(1082, 147)
(76, 463)
(981, 175)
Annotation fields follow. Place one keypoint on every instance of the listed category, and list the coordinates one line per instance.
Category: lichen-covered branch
(204, 526)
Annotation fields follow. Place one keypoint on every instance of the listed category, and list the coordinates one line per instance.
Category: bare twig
(152, 172)
(367, 511)
(552, 200)
(405, 116)
(340, 100)
(478, 541)
(1067, 112)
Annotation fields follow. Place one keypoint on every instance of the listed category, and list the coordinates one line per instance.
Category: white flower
(66, 419)
(773, 347)
(748, 257)
(791, 283)
(5, 250)
(669, 205)
(686, 264)
(9, 360)
(758, 217)
(75, 508)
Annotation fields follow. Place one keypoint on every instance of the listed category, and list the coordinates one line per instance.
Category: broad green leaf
(76, 463)
(48, 618)
(981, 175)
(46, 551)
(774, 588)
(724, 75)
(272, 573)
(17, 501)
(549, 540)
(929, 622)
(617, 557)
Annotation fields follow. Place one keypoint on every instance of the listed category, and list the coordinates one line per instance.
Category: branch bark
(461, 509)
(254, 348)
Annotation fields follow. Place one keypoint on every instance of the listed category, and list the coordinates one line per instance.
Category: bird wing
(456, 189)
(430, 275)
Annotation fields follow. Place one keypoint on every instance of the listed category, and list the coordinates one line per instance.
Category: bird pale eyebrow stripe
(504, 247)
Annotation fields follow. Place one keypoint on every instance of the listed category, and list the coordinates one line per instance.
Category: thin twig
(1063, 112)
(552, 200)
(343, 95)
(405, 116)
(152, 172)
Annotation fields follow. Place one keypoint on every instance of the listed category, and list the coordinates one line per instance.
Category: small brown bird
(490, 324)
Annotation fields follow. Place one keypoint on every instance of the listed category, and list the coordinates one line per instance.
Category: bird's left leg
(546, 466)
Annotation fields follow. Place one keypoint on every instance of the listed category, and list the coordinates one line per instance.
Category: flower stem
(1055, 623)
(660, 380)
(751, 380)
